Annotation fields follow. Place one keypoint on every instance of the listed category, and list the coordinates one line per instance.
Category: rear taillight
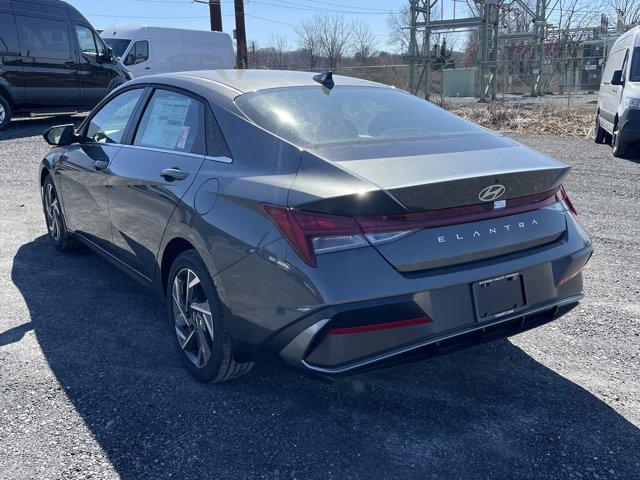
(311, 233)
(565, 198)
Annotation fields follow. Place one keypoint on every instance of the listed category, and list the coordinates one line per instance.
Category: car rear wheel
(56, 228)
(600, 134)
(5, 113)
(204, 339)
(620, 147)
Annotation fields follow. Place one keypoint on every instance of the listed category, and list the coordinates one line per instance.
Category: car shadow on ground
(493, 412)
(29, 127)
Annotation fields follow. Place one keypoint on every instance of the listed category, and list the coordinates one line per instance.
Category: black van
(52, 61)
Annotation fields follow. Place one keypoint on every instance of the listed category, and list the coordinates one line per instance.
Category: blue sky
(277, 16)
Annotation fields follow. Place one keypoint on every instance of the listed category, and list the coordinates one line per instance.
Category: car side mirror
(60, 135)
(617, 78)
(108, 56)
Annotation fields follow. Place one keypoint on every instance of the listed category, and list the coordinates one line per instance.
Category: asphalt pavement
(90, 386)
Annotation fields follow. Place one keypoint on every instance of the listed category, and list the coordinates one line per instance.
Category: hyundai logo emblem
(491, 193)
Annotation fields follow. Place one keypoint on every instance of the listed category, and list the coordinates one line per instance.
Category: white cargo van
(618, 115)
(148, 50)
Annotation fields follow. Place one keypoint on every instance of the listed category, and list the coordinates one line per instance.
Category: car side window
(172, 121)
(43, 38)
(139, 53)
(86, 41)
(108, 125)
(8, 34)
(624, 64)
(216, 143)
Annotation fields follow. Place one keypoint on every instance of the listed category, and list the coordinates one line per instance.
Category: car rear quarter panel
(229, 223)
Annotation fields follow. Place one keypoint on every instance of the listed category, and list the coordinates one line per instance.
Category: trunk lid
(442, 174)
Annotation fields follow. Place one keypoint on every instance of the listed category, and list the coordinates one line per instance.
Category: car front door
(83, 170)
(138, 59)
(95, 79)
(150, 176)
(49, 63)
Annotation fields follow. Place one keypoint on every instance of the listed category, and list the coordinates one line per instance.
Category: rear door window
(43, 38)
(109, 124)
(172, 121)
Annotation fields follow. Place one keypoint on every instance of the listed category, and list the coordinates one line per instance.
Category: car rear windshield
(314, 116)
(118, 45)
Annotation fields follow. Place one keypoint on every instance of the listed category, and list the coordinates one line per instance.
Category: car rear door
(152, 173)
(83, 169)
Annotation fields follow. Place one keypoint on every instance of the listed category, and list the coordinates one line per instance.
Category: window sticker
(166, 127)
(182, 141)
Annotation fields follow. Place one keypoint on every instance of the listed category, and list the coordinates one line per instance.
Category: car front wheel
(5, 113)
(600, 134)
(56, 228)
(620, 147)
(205, 342)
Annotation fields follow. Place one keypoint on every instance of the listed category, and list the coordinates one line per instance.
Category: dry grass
(573, 122)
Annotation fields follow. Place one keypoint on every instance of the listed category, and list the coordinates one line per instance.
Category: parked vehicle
(618, 114)
(51, 60)
(150, 50)
(336, 224)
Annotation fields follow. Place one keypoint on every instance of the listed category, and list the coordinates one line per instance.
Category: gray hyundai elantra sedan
(334, 224)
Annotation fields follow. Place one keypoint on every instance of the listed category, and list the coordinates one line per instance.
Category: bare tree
(364, 41)
(334, 36)
(398, 23)
(309, 42)
(276, 51)
(625, 12)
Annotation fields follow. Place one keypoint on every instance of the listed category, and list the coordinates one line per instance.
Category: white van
(148, 50)
(618, 115)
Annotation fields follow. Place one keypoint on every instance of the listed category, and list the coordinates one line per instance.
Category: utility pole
(241, 35)
(215, 12)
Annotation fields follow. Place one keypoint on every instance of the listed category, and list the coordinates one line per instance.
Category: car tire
(5, 113)
(56, 228)
(205, 343)
(620, 147)
(600, 135)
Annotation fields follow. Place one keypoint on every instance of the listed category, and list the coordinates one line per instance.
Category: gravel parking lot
(90, 386)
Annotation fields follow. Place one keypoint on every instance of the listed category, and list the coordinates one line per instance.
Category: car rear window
(315, 116)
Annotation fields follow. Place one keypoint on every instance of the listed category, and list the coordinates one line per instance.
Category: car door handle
(100, 164)
(174, 174)
(147, 68)
(70, 64)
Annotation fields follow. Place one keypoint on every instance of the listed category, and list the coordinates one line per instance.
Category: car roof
(244, 81)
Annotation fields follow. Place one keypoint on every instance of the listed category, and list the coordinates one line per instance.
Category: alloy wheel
(52, 211)
(192, 317)
(3, 113)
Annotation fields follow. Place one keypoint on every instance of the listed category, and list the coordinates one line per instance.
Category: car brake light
(565, 198)
(311, 233)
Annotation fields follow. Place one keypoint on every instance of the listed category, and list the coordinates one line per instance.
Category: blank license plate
(498, 297)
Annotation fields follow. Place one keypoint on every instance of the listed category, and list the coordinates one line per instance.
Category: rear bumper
(326, 343)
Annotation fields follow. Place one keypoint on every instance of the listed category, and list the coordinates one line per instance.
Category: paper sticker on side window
(165, 127)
